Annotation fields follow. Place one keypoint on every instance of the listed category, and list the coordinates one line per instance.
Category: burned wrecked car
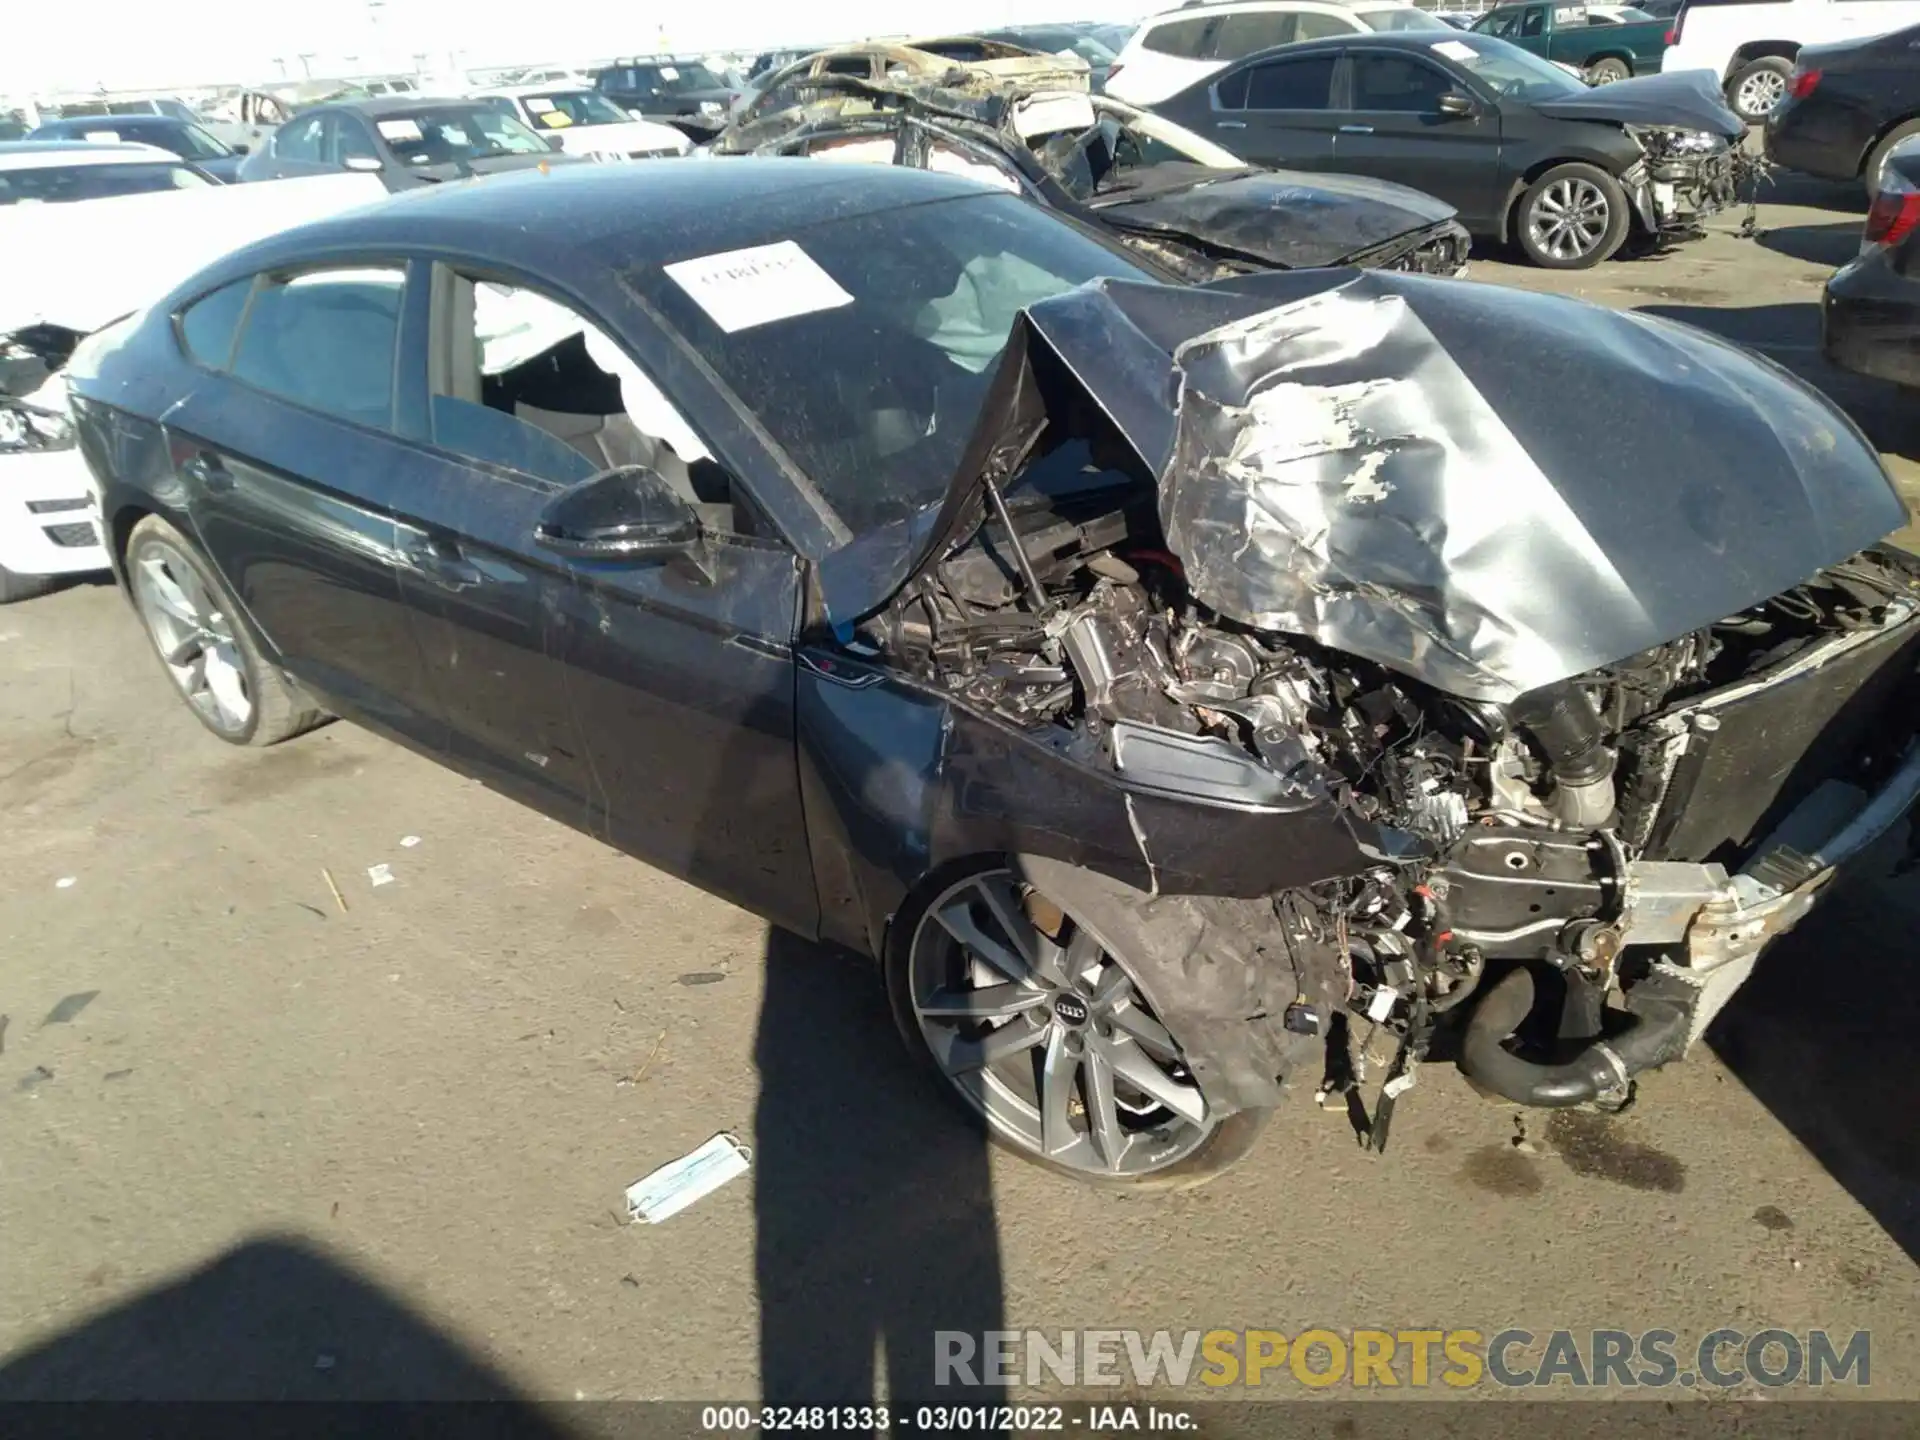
(1171, 686)
(1192, 207)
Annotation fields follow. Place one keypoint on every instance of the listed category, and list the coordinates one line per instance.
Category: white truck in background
(1751, 44)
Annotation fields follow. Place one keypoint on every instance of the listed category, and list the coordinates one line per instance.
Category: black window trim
(1271, 57)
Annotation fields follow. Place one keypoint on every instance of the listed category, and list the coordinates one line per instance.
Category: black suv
(682, 93)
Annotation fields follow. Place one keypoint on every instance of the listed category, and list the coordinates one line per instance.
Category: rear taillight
(1803, 82)
(1894, 216)
(1673, 36)
(1114, 69)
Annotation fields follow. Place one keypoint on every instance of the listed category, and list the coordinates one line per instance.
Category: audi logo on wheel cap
(1070, 1010)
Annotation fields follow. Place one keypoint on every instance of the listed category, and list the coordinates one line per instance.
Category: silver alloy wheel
(1044, 1033)
(1760, 92)
(1568, 220)
(193, 635)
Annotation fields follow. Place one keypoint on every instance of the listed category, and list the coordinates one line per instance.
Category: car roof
(539, 87)
(613, 217)
(46, 154)
(1233, 7)
(110, 122)
(376, 106)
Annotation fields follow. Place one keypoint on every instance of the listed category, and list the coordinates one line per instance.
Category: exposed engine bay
(1596, 845)
(1687, 177)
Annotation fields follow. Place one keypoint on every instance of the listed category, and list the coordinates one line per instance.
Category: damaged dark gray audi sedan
(1179, 689)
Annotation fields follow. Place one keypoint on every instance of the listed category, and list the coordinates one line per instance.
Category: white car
(66, 212)
(1751, 46)
(1171, 51)
(588, 123)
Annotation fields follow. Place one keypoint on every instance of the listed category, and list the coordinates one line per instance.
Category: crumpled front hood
(1282, 217)
(1680, 99)
(1486, 489)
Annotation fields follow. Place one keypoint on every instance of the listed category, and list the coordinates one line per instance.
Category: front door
(1392, 127)
(288, 464)
(650, 704)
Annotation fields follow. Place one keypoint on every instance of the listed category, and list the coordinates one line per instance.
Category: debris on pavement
(703, 977)
(65, 882)
(69, 1007)
(34, 1078)
(380, 874)
(645, 1065)
(3, 1033)
(117, 1074)
(695, 1175)
(338, 898)
(407, 842)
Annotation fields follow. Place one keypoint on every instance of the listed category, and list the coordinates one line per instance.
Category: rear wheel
(1871, 174)
(23, 587)
(1605, 72)
(1757, 87)
(203, 640)
(1044, 1039)
(1572, 217)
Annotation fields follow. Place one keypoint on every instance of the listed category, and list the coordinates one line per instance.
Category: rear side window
(1250, 33)
(1304, 84)
(1182, 39)
(207, 326)
(1314, 26)
(326, 340)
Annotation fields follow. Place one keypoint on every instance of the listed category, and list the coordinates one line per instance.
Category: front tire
(1757, 87)
(1607, 71)
(205, 643)
(1043, 1040)
(1572, 217)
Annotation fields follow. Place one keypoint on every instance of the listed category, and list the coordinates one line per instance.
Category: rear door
(288, 463)
(1279, 111)
(1391, 126)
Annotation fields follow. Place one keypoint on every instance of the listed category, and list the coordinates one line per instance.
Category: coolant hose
(1599, 1072)
(1563, 723)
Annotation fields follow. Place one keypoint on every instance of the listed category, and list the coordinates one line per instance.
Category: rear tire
(1607, 71)
(1871, 173)
(985, 1104)
(204, 641)
(1572, 217)
(23, 587)
(1757, 87)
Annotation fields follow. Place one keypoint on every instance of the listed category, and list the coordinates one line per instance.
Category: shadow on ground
(873, 1213)
(273, 1319)
(1843, 197)
(1790, 335)
(1823, 1037)
(1831, 244)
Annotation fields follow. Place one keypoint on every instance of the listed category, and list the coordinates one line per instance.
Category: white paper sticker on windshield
(740, 289)
(1456, 50)
(101, 137)
(539, 104)
(454, 135)
(399, 129)
(667, 72)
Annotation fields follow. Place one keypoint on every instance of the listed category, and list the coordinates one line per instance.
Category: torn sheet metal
(1485, 489)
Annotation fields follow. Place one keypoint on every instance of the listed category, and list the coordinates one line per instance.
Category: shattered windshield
(446, 134)
(913, 304)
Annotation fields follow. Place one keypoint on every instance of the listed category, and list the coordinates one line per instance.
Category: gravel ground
(255, 1141)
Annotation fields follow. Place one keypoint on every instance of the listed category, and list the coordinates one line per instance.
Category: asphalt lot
(287, 1149)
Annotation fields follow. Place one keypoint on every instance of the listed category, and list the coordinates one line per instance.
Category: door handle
(441, 562)
(208, 473)
(1229, 124)
(1356, 129)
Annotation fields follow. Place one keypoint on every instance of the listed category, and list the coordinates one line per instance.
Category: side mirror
(554, 142)
(1457, 105)
(629, 513)
(243, 149)
(366, 164)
